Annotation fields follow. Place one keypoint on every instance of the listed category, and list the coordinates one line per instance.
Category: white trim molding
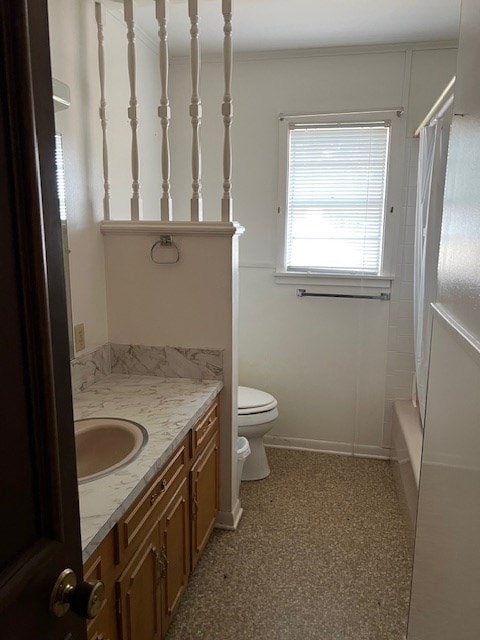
(154, 227)
(468, 341)
(394, 208)
(315, 52)
(229, 520)
(382, 283)
(257, 265)
(327, 446)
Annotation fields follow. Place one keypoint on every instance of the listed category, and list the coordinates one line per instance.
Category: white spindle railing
(135, 202)
(103, 109)
(196, 203)
(164, 112)
(227, 112)
(164, 109)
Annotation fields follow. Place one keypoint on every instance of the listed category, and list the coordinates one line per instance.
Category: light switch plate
(79, 333)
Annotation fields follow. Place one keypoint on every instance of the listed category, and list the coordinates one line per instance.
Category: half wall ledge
(180, 228)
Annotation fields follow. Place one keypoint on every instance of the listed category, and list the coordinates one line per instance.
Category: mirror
(61, 100)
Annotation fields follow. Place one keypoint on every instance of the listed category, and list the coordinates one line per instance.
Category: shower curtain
(429, 206)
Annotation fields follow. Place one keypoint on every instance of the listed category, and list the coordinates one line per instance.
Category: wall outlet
(79, 333)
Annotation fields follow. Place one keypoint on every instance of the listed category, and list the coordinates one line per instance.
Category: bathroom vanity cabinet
(146, 559)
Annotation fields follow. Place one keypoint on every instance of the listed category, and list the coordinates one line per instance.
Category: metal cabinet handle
(155, 494)
(205, 427)
(195, 505)
(163, 553)
(160, 567)
(161, 561)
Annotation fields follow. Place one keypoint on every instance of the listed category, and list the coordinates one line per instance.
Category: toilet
(256, 412)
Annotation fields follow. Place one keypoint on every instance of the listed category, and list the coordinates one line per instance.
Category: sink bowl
(104, 445)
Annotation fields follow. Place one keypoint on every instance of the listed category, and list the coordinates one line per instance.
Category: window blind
(336, 197)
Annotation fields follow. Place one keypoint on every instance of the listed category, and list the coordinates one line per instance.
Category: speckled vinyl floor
(321, 553)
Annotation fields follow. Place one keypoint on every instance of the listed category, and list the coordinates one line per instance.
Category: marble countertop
(167, 408)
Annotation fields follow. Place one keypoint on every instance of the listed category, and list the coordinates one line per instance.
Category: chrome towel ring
(167, 243)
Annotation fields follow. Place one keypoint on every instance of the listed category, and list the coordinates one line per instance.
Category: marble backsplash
(90, 368)
(167, 362)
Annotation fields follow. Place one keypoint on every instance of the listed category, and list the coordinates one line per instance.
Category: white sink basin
(104, 445)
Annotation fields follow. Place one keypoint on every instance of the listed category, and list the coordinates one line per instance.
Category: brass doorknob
(85, 598)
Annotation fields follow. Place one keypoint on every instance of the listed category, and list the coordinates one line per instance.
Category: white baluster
(135, 203)
(164, 110)
(196, 203)
(103, 109)
(227, 112)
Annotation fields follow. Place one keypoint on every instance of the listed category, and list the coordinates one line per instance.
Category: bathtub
(405, 457)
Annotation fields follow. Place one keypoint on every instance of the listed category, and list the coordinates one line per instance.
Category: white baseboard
(327, 446)
(371, 451)
(229, 519)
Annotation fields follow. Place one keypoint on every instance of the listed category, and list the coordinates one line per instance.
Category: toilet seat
(253, 401)
(256, 419)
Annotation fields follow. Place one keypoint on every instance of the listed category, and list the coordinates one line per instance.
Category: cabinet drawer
(161, 488)
(100, 564)
(204, 429)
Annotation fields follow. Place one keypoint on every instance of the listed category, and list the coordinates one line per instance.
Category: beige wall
(187, 304)
(193, 303)
(325, 360)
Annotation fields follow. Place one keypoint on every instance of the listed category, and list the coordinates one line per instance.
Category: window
(334, 195)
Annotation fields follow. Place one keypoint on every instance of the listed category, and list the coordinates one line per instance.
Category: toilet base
(256, 465)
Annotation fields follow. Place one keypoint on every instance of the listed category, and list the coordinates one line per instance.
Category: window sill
(381, 283)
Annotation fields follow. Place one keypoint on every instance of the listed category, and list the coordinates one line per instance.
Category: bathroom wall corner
(90, 368)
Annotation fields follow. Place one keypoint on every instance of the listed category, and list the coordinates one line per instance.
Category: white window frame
(393, 199)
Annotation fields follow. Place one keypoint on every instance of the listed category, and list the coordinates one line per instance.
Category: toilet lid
(254, 401)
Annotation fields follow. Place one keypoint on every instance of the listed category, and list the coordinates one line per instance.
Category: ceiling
(266, 25)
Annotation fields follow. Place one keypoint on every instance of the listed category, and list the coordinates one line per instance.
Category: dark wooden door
(39, 532)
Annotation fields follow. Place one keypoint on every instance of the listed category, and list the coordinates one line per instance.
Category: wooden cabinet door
(100, 566)
(175, 551)
(104, 626)
(204, 479)
(40, 533)
(138, 593)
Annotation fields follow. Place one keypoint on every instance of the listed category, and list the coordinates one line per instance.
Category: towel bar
(302, 293)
